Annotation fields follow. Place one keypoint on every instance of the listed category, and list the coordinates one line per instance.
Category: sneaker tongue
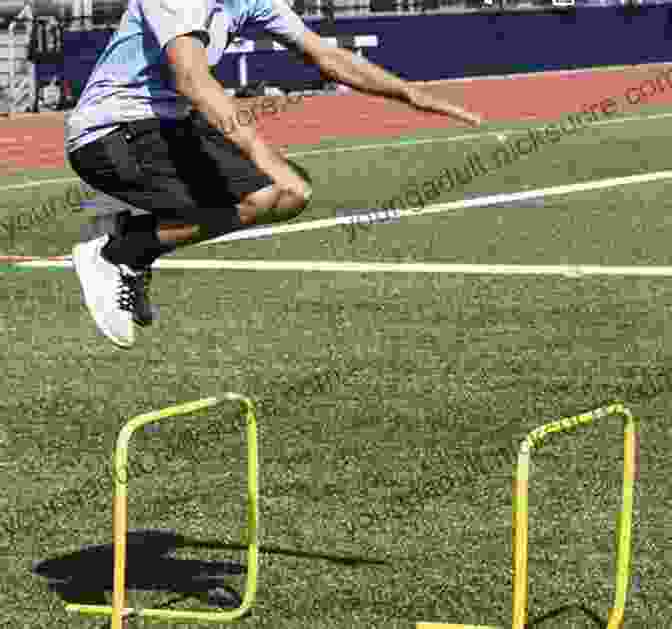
(129, 271)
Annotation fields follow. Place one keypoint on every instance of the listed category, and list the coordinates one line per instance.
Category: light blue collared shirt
(131, 80)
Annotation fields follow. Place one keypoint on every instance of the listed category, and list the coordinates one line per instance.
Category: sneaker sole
(78, 264)
(143, 323)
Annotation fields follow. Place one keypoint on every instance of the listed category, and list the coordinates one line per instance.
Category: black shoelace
(128, 291)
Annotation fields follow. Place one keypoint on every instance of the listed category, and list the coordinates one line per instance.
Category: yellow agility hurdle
(117, 610)
(521, 517)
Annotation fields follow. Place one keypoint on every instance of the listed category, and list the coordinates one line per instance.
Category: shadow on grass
(597, 621)
(84, 576)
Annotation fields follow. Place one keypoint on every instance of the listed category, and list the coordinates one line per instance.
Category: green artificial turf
(390, 406)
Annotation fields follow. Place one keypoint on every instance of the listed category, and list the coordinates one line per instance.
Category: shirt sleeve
(277, 18)
(168, 19)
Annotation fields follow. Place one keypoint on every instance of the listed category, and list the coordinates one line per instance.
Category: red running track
(36, 141)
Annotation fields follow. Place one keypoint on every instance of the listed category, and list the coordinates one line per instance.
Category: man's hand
(423, 99)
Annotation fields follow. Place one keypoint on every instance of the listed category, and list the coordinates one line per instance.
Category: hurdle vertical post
(624, 526)
(118, 610)
(520, 516)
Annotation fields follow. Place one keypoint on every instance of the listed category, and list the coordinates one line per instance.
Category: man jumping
(155, 129)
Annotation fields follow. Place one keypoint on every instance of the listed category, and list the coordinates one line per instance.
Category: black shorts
(177, 170)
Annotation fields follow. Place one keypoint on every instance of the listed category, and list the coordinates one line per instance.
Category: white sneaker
(109, 291)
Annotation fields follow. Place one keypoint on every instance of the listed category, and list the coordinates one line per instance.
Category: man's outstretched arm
(345, 67)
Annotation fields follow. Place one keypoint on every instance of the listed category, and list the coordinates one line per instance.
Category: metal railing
(108, 15)
(22, 81)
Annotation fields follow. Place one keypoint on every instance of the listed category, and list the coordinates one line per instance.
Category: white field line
(383, 145)
(478, 202)
(568, 270)
(383, 215)
(37, 184)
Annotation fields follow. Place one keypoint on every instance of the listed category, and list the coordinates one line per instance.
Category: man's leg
(146, 238)
(263, 207)
(203, 182)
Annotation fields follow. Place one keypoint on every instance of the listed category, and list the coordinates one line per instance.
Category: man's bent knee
(273, 203)
(299, 199)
